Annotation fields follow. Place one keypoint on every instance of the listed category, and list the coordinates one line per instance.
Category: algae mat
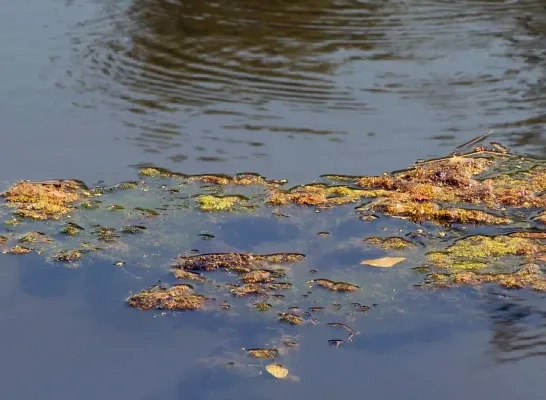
(319, 255)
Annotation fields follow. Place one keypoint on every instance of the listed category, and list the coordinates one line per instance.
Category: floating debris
(529, 275)
(277, 370)
(35, 237)
(249, 289)
(68, 255)
(263, 353)
(45, 200)
(17, 249)
(291, 319)
(335, 286)
(261, 307)
(177, 297)
(384, 262)
(133, 229)
(189, 275)
(390, 243)
(479, 252)
(240, 261)
(71, 229)
(219, 203)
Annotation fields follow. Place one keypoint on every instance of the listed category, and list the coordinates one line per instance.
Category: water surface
(289, 90)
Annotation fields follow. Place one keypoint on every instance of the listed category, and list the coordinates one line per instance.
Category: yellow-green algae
(389, 243)
(45, 200)
(219, 203)
(477, 252)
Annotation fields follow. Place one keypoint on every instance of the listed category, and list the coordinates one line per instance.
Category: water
(289, 90)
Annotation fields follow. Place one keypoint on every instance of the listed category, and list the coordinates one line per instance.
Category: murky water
(289, 90)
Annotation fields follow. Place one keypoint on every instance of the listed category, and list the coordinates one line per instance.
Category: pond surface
(92, 89)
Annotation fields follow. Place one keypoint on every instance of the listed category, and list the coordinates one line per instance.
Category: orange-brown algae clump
(257, 276)
(248, 289)
(320, 195)
(434, 190)
(177, 297)
(263, 353)
(45, 200)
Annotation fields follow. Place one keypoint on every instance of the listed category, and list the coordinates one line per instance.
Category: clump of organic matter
(237, 262)
(529, 275)
(68, 255)
(72, 229)
(334, 286)
(45, 200)
(261, 307)
(243, 179)
(177, 297)
(219, 203)
(389, 243)
(478, 252)
(291, 319)
(17, 249)
(263, 353)
(35, 237)
(320, 195)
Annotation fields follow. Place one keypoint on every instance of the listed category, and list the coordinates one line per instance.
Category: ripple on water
(279, 66)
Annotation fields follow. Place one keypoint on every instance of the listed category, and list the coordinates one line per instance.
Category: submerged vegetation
(472, 219)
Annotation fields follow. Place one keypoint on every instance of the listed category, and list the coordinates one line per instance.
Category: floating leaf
(385, 262)
(277, 370)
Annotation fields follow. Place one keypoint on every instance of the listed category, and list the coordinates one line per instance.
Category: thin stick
(475, 140)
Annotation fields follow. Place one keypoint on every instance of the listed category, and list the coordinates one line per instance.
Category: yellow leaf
(277, 370)
(385, 262)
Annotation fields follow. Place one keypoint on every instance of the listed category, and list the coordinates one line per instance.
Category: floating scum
(468, 219)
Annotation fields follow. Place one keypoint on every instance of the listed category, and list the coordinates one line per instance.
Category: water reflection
(519, 328)
(210, 80)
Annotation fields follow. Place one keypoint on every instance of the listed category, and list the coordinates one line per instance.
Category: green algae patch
(219, 203)
(45, 200)
(177, 297)
(478, 252)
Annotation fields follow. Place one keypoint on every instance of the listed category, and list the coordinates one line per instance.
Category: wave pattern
(281, 66)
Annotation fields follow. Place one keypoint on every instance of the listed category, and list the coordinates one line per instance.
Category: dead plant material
(334, 286)
(17, 249)
(177, 297)
(45, 200)
(239, 262)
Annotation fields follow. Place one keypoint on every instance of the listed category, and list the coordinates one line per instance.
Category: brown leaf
(385, 262)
